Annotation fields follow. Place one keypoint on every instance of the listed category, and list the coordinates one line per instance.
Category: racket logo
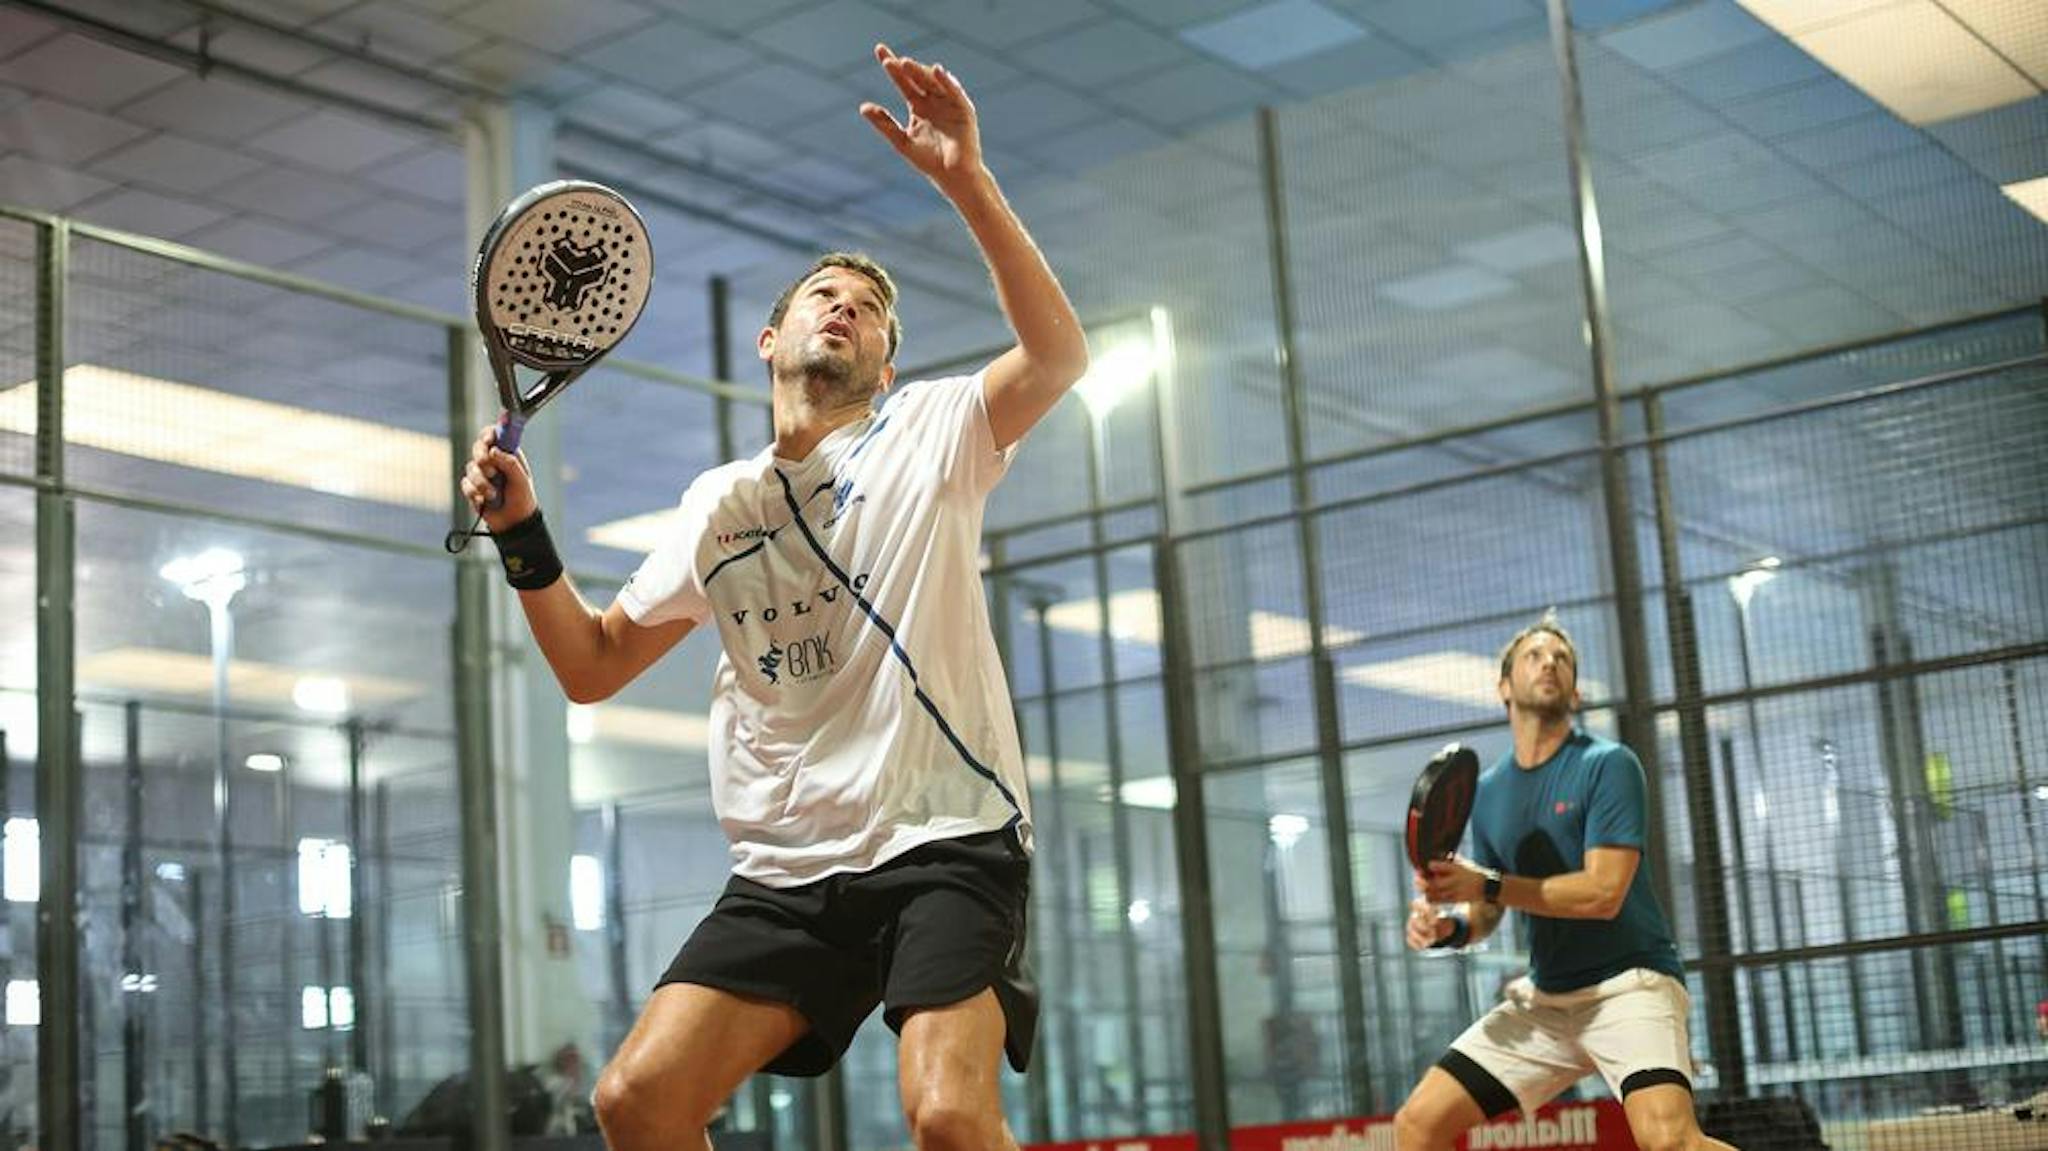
(571, 271)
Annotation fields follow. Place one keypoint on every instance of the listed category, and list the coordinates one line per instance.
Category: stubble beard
(826, 378)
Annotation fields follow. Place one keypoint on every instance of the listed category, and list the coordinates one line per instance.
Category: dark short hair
(1547, 624)
(853, 261)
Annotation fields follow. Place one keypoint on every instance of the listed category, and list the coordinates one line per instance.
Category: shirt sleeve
(667, 587)
(950, 421)
(1617, 809)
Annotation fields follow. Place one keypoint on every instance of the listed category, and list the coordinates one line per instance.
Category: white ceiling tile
(1949, 72)
(60, 133)
(266, 51)
(288, 193)
(369, 271)
(2018, 30)
(1029, 110)
(980, 71)
(1104, 140)
(1270, 34)
(398, 33)
(1686, 36)
(816, 179)
(176, 164)
(1852, 141)
(772, 95)
(671, 57)
(1758, 67)
(49, 187)
(1001, 23)
(378, 86)
(626, 111)
(1445, 288)
(836, 35)
(218, 108)
(1534, 246)
(1191, 93)
(436, 172)
(551, 26)
(87, 72)
(516, 69)
(1358, 64)
(149, 214)
(336, 141)
(21, 30)
(1441, 23)
(1103, 52)
(724, 146)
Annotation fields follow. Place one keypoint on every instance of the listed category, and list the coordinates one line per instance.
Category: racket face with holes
(1441, 803)
(560, 278)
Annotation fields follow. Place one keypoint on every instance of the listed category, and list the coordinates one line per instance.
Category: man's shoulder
(917, 393)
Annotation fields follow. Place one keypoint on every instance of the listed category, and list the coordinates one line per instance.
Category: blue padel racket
(560, 278)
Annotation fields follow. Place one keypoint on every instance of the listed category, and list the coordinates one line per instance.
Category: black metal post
(358, 883)
(721, 361)
(1710, 863)
(1191, 836)
(612, 825)
(1119, 812)
(476, 779)
(59, 775)
(1357, 1073)
(134, 1029)
(1634, 715)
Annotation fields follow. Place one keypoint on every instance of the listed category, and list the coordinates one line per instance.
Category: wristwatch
(1492, 884)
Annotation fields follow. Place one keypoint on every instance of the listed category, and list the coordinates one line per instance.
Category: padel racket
(560, 278)
(1441, 803)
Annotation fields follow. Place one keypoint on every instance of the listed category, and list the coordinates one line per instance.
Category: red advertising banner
(1596, 1126)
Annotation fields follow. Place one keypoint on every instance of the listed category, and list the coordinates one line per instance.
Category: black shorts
(932, 927)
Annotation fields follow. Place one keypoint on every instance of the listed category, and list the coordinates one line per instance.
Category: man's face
(836, 333)
(1542, 677)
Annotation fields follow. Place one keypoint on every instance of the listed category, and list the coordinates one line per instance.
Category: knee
(1666, 1137)
(627, 1105)
(941, 1124)
(1415, 1129)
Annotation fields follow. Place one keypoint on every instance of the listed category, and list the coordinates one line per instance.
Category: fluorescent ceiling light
(1286, 829)
(1115, 373)
(641, 533)
(181, 673)
(264, 761)
(21, 852)
(2031, 195)
(1459, 677)
(1912, 56)
(586, 892)
(1140, 913)
(214, 431)
(1134, 618)
(1153, 791)
(24, 1003)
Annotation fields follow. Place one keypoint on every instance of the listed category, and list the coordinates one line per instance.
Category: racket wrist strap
(528, 554)
(1461, 934)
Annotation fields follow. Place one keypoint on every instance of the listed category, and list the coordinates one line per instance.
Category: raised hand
(943, 138)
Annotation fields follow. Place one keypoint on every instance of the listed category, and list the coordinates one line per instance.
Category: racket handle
(511, 425)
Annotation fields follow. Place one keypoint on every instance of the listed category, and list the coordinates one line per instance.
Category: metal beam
(59, 776)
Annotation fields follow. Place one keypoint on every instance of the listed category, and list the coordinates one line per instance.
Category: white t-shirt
(859, 708)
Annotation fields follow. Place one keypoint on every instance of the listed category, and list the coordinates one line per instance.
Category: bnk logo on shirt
(805, 660)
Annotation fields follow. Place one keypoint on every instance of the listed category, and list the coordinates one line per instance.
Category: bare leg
(1436, 1113)
(690, 1049)
(946, 1072)
(1661, 1119)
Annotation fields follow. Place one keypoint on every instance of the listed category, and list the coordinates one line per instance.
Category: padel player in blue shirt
(1558, 833)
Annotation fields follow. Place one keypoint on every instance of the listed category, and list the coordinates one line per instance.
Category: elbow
(1609, 906)
(1072, 362)
(586, 692)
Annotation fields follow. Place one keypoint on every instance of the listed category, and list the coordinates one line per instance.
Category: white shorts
(1630, 1028)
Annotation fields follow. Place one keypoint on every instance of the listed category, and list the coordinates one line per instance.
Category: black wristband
(528, 554)
(1461, 934)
